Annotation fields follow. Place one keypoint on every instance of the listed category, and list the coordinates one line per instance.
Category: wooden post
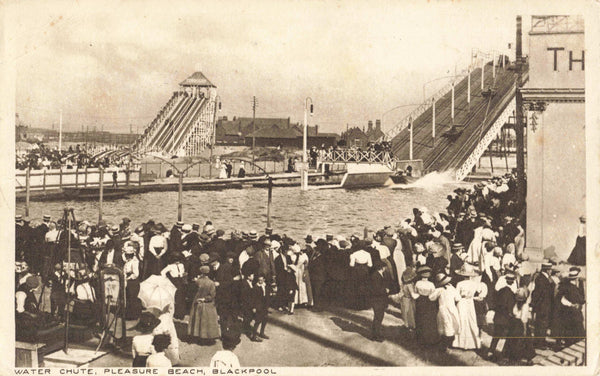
(27, 186)
(60, 177)
(140, 176)
(68, 218)
(101, 185)
(44, 181)
(76, 177)
(179, 197)
(269, 197)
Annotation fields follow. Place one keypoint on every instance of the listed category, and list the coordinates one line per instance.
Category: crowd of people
(78, 157)
(447, 272)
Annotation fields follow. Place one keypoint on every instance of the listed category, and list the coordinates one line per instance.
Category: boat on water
(92, 193)
(401, 178)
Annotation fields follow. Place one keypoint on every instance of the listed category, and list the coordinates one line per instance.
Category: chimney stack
(378, 125)
(370, 125)
(316, 129)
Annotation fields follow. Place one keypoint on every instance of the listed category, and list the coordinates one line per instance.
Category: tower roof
(197, 79)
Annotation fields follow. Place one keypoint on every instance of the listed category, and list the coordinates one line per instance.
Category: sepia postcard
(299, 187)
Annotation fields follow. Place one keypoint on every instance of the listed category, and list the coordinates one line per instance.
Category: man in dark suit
(248, 303)
(218, 245)
(542, 299)
(318, 273)
(379, 299)
(266, 259)
(504, 303)
(110, 255)
(262, 299)
(175, 238)
(223, 277)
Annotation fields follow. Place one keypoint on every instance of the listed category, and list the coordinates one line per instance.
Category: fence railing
(77, 178)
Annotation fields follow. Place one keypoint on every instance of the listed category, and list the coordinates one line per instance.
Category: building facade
(554, 103)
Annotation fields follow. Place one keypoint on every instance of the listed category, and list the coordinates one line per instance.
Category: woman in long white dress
(300, 261)
(470, 289)
(223, 170)
(448, 321)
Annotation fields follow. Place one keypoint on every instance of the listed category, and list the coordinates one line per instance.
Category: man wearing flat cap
(379, 299)
(542, 299)
(218, 245)
(504, 303)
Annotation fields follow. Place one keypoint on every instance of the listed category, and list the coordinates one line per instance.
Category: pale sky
(118, 64)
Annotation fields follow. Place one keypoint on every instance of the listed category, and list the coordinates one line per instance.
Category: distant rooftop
(558, 24)
(197, 79)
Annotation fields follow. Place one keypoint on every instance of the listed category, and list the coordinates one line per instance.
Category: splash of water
(430, 181)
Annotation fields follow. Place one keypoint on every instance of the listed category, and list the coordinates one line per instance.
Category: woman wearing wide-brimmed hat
(141, 345)
(518, 345)
(409, 295)
(177, 274)
(131, 269)
(448, 322)
(204, 321)
(470, 289)
(425, 309)
(157, 248)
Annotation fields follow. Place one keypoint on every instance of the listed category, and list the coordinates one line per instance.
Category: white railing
(466, 168)
(349, 155)
(202, 132)
(414, 114)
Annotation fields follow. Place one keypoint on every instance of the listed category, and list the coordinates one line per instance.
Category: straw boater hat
(457, 247)
(573, 272)
(186, 228)
(179, 224)
(467, 270)
(253, 235)
(46, 218)
(546, 265)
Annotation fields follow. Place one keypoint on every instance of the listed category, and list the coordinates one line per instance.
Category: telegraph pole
(521, 194)
(254, 104)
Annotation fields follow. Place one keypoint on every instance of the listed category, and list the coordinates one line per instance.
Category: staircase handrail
(414, 114)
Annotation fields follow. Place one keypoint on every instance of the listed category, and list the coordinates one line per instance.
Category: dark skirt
(132, 302)
(358, 291)
(426, 321)
(518, 346)
(180, 298)
(139, 361)
(152, 265)
(577, 256)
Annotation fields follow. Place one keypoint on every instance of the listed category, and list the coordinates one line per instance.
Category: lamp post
(410, 129)
(214, 138)
(304, 177)
(180, 188)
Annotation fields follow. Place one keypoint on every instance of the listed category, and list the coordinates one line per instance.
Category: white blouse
(361, 257)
